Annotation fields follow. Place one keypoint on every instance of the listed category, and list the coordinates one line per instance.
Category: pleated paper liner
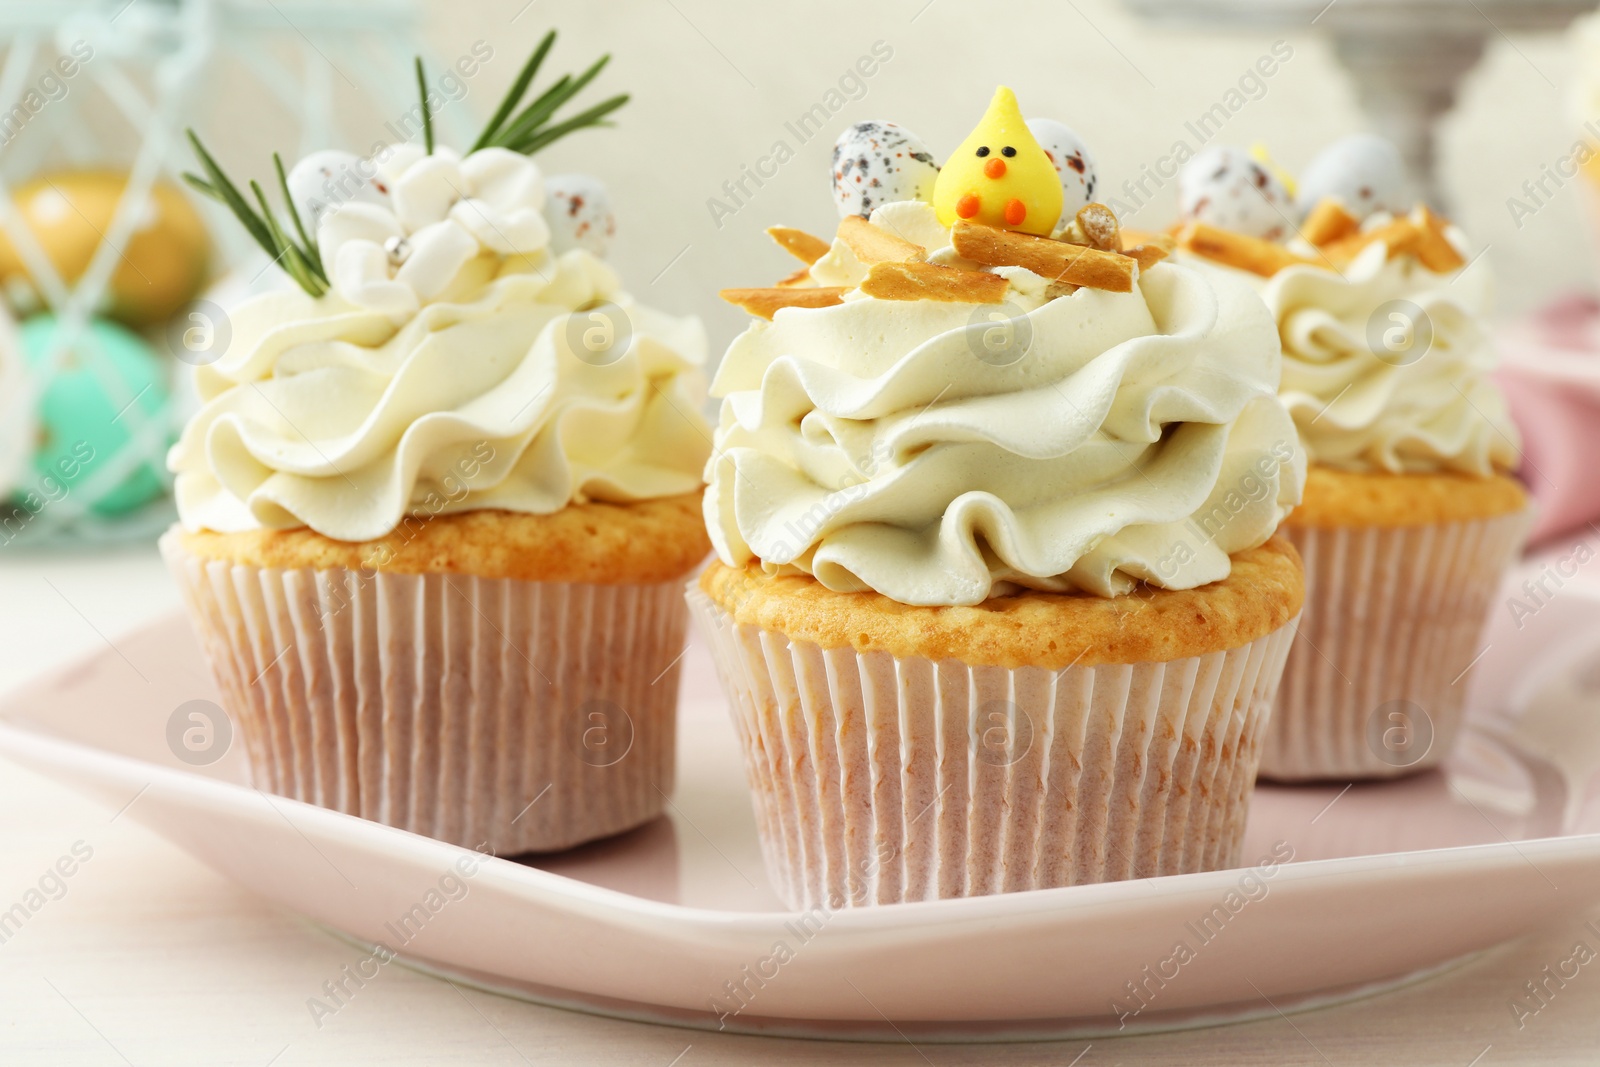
(525, 716)
(1376, 683)
(879, 779)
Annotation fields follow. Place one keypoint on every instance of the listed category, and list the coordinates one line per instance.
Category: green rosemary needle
(518, 87)
(427, 115)
(531, 130)
(303, 263)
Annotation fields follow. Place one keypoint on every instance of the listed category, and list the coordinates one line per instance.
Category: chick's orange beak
(995, 168)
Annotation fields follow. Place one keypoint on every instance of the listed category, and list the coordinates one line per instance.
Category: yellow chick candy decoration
(999, 176)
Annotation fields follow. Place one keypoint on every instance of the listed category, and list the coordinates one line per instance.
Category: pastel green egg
(108, 395)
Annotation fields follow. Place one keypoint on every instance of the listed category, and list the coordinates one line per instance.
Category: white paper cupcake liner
(528, 716)
(879, 779)
(1376, 683)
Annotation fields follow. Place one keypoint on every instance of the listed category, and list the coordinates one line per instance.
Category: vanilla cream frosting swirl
(1139, 438)
(1428, 406)
(475, 370)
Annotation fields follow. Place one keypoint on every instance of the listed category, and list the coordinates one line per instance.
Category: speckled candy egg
(578, 211)
(1072, 161)
(879, 163)
(323, 180)
(1226, 188)
(1365, 172)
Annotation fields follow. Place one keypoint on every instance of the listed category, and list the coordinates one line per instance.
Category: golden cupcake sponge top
(643, 542)
(1337, 498)
(1050, 630)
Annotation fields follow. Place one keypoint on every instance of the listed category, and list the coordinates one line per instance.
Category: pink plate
(675, 923)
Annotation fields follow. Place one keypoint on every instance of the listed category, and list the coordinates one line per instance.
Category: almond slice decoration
(1147, 246)
(1423, 237)
(1401, 236)
(1132, 240)
(1100, 226)
(765, 302)
(1237, 250)
(1053, 260)
(1329, 222)
(1147, 256)
(807, 248)
(799, 277)
(873, 245)
(925, 281)
(1434, 249)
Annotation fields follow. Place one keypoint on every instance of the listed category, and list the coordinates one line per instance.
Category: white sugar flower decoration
(441, 212)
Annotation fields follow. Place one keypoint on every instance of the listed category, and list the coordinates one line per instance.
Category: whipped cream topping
(886, 445)
(1426, 403)
(456, 364)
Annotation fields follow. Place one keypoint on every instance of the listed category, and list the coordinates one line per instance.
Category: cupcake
(439, 501)
(997, 602)
(1410, 515)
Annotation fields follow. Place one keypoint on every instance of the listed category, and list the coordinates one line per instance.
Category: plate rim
(39, 749)
(1014, 1032)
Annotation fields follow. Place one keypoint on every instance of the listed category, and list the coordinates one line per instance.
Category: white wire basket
(310, 74)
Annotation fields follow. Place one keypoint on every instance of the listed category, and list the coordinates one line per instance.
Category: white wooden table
(148, 957)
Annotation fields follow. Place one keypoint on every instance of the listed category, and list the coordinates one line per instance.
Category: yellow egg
(162, 264)
(999, 176)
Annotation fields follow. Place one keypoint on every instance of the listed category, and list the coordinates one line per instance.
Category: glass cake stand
(1406, 57)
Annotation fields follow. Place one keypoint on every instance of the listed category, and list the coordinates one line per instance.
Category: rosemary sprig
(307, 239)
(530, 130)
(302, 263)
(518, 87)
(427, 115)
(592, 117)
(299, 263)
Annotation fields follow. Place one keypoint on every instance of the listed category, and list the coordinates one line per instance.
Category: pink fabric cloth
(1550, 375)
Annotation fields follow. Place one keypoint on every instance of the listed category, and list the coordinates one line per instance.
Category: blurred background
(714, 84)
(730, 129)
